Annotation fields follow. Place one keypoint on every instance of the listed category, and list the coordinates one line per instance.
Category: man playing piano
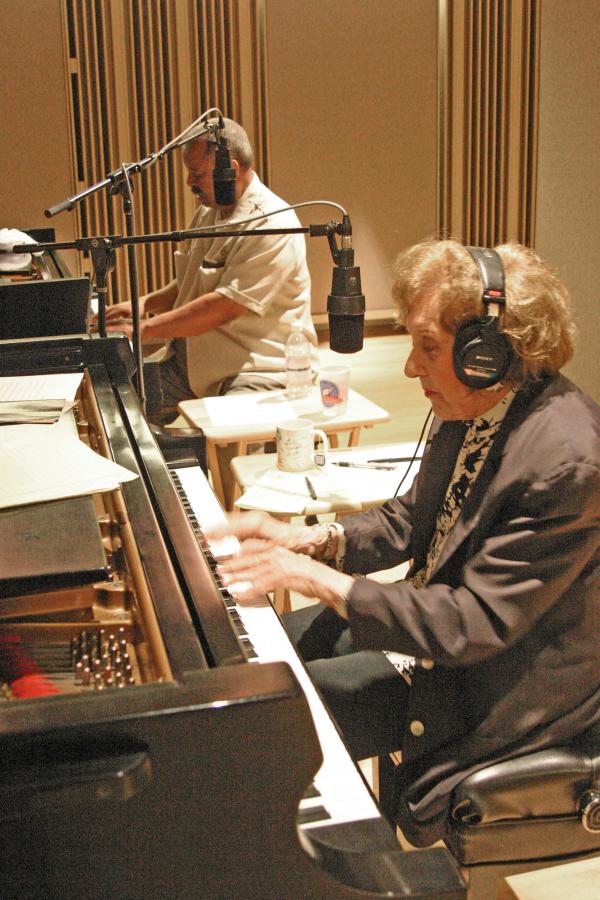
(489, 647)
(226, 316)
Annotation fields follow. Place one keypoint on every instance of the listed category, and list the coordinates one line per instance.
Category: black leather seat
(532, 812)
(544, 805)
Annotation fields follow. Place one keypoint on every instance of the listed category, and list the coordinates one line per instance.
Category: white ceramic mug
(334, 383)
(296, 444)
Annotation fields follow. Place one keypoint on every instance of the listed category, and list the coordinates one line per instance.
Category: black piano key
(311, 791)
(312, 814)
(230, 605)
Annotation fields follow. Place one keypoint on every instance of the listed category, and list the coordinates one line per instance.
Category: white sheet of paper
(242, 408)
(49, 462)
(287, 492)
(56, 386)
(277, 491)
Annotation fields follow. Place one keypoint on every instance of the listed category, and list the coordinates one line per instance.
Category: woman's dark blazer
(508, 628)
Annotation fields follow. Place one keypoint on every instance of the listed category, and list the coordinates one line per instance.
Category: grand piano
(180, 750)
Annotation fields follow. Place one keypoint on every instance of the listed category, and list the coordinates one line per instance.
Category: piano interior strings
(100, 632)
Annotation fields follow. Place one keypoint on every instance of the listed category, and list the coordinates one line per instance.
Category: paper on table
(277, 491)
(40, 464)
(242, 409)
(287, 492)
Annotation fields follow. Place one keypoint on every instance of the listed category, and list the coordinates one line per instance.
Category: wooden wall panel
(141, 72)
(488, 88)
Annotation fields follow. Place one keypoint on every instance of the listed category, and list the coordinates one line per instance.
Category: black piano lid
(50, 546)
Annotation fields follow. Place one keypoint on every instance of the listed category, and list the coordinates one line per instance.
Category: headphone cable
(414, 456)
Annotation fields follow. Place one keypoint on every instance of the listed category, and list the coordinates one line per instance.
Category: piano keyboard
(339, 793)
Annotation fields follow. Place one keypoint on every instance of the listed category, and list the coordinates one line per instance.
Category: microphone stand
(102, 248)
(102, 251)
(103, 255)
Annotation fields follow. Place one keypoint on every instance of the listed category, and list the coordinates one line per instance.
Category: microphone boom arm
(345, 300)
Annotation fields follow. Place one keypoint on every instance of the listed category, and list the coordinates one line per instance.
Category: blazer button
(427, 663)
(417, 729)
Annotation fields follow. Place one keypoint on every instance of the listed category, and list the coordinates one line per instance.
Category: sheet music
(50, 462)
(41, 412)
(57, 386)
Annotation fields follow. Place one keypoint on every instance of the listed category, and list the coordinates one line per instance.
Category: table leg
(354, 437)
(282, 601)
(212, 460)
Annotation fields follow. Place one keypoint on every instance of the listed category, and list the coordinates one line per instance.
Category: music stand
(37, 308)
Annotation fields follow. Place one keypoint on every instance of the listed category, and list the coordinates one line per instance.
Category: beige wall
(34, 148)
(352, 88)
(568, 200)
(352, 106)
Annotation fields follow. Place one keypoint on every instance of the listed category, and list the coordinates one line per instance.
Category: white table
(242, 419)
(261, 485)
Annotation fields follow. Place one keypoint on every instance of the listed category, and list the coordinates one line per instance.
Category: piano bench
(538, 810)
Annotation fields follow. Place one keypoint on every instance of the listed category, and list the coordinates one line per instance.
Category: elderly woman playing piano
(489, 646)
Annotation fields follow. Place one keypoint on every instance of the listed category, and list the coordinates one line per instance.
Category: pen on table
(395, 459)
(351, 465)
(310, 487)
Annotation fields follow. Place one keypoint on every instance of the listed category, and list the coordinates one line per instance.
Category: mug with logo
(295, 441)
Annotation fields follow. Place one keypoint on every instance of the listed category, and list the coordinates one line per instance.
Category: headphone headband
(481, 352)
(491, 271)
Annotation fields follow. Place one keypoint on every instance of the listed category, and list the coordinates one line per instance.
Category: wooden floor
(377, 372)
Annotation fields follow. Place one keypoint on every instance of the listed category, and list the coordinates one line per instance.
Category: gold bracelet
(331, 535)
(322, 556)
(340, 606)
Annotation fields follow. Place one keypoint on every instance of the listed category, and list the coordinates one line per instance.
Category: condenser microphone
(346, 302)
(224, 180)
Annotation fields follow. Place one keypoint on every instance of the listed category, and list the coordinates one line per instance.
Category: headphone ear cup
(481, 354)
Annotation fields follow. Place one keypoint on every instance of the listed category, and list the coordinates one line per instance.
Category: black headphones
(482, 353)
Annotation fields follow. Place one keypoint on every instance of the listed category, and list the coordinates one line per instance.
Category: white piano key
(343, 791)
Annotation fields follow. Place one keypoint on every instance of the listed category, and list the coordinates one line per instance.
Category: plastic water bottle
(297, 363)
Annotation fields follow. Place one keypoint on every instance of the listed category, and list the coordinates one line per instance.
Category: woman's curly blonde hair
(537, 319)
